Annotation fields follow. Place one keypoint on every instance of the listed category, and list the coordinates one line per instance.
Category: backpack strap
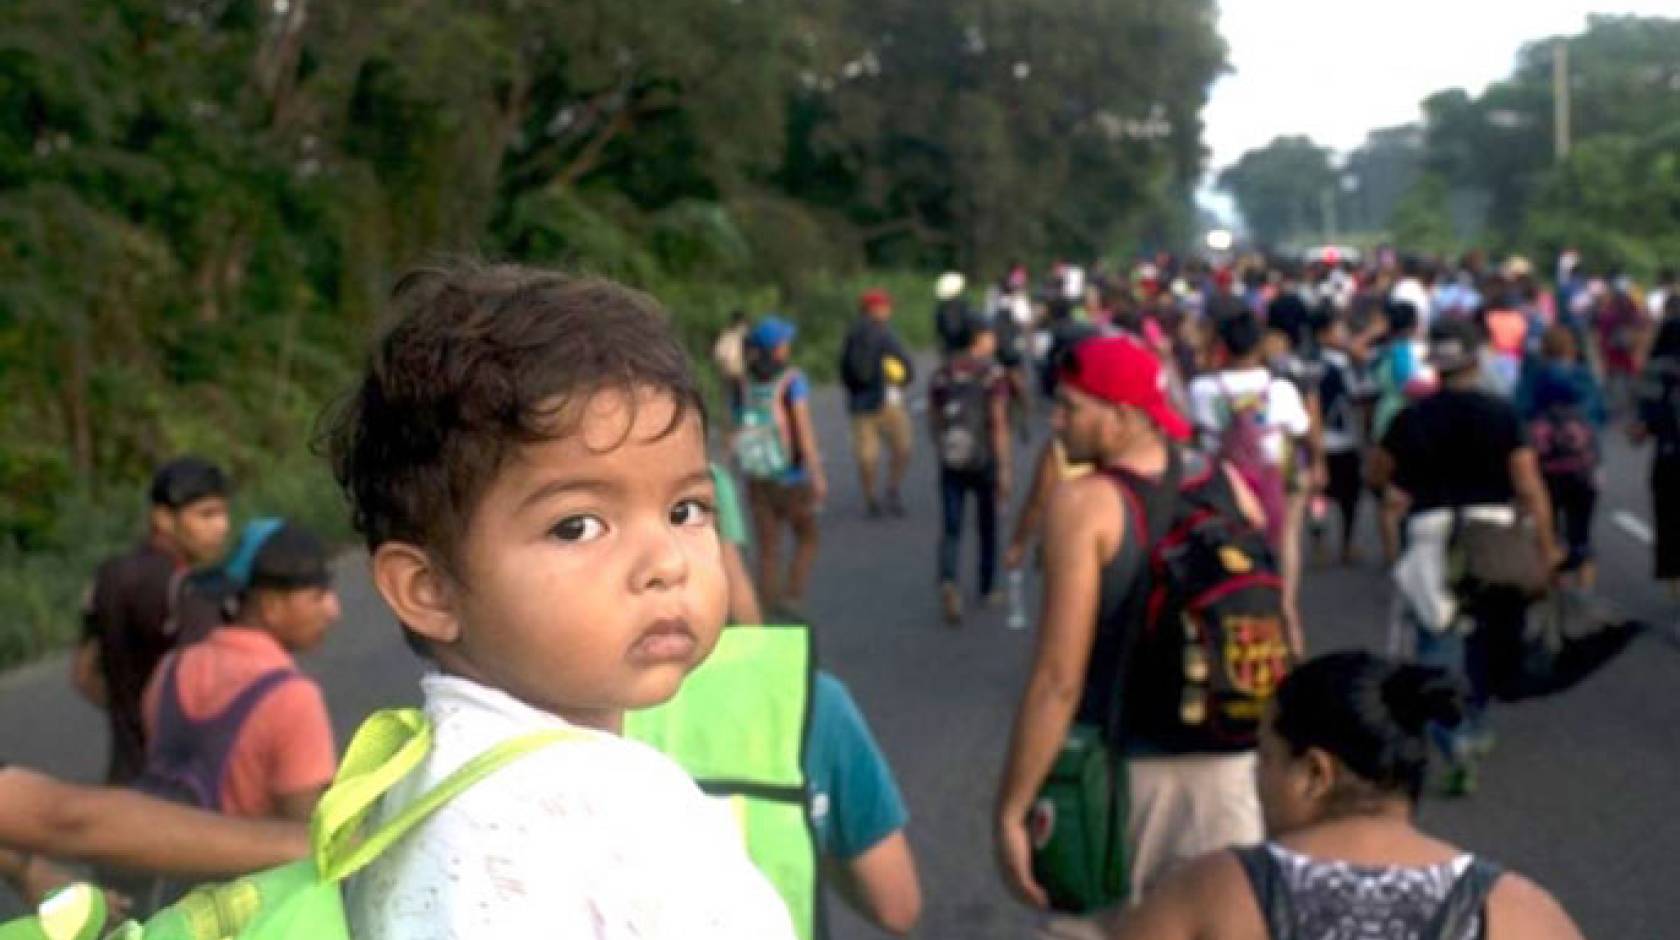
(1138, 527)
(386, 748)
(782, 410)
(1465, 902)
(1265, 876)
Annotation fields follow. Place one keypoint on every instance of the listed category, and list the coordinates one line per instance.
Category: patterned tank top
(1306, 898)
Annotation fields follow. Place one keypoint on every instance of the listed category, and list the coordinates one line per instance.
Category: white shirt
(1283, 414)
(599, 838)
(1654, 302)
(1411, 290)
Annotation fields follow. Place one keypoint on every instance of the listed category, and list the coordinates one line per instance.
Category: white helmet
(949, 286)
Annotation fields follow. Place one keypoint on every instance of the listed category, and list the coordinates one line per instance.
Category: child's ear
(417, 590)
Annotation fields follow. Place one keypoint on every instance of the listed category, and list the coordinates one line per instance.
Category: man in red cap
(1112, 411)
(876, 368)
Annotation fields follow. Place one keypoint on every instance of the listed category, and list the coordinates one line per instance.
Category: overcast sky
(1334, 69)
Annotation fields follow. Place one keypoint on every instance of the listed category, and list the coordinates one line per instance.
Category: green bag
(304, 899)
(1078, 826)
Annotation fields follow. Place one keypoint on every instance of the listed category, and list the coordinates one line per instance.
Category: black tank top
(1124, 591)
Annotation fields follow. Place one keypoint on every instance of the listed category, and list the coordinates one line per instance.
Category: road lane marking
(1635, 527)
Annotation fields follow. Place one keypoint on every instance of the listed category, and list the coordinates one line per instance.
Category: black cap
(186, 480)
(279, 556)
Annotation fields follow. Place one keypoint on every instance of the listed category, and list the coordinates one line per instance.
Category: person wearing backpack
(148, 601)
(232, 724)
(1162, 637)
(968, 417)
(1563, 409)
(1257, 422)
(1342, 766)
(876, 369)
(950, 313)
(1457, 467)
(776, 450)
(1341, 390)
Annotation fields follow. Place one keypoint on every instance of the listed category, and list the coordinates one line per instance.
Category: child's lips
(665, 641)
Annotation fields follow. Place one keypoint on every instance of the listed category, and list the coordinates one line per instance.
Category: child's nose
(663, 562)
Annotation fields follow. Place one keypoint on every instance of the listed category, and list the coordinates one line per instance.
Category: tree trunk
(74, 395)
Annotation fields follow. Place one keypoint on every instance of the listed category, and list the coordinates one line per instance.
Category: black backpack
(965, 438)
(1212, 647)
(860, 360)
(1565, 442)
(1011, 338)
(951, 321)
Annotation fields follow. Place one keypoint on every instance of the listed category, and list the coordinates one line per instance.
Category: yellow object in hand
(893, 369)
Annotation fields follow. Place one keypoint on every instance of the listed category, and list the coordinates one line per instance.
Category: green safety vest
(738, 727)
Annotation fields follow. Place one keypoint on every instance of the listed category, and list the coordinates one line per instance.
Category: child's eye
(691, 512)
(579, 529)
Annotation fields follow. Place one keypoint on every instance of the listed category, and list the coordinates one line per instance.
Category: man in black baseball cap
(142, 602)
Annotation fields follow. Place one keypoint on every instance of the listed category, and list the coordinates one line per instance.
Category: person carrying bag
(304, 898)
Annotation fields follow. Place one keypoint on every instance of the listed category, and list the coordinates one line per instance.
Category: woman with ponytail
(1344, 753)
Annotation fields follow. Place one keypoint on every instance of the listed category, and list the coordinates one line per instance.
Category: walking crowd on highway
(619, 739)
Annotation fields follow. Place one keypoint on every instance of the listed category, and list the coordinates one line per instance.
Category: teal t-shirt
(854, 801)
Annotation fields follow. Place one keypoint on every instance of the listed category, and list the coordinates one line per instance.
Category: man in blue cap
(775, 446)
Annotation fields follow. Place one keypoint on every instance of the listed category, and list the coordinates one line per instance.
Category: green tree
(1281, 189)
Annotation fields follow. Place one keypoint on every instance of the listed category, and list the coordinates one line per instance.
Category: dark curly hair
(480, 360)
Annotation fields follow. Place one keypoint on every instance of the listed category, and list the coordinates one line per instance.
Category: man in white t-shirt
(1244, 377)
(1413, 289)
(1244, 385)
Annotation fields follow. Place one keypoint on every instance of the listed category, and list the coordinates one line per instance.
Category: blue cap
(239, 564)
(770, 332)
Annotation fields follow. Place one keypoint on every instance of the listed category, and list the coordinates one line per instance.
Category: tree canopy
(202, 202)
(1483, 169)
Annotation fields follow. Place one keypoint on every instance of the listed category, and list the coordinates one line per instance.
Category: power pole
(1560, 97)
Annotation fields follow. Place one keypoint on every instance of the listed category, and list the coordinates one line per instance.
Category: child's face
(591, 580)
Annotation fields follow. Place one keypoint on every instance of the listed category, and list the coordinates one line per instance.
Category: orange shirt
(285, 746)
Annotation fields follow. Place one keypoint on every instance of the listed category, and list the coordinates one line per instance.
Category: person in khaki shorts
(876, 368)
(1112, 412)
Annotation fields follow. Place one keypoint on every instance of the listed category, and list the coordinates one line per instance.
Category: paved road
(1581, 793)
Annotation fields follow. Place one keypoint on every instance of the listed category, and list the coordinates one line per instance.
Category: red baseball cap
(874, 299)
(1120, 370)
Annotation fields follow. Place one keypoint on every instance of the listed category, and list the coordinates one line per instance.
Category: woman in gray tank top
(1343, 758)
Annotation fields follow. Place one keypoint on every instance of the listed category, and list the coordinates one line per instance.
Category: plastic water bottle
(1017, 600)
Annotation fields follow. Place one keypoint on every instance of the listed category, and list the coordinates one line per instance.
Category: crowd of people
(521, 436)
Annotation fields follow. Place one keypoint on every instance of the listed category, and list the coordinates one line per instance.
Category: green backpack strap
(386, 748)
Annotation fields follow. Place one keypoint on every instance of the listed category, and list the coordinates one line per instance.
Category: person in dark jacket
(876, 368)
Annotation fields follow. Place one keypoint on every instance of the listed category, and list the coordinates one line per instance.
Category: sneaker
(951, 600)
(1460, 780)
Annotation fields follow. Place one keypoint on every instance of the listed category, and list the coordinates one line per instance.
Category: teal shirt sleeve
(854, 801)
(731, 524)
